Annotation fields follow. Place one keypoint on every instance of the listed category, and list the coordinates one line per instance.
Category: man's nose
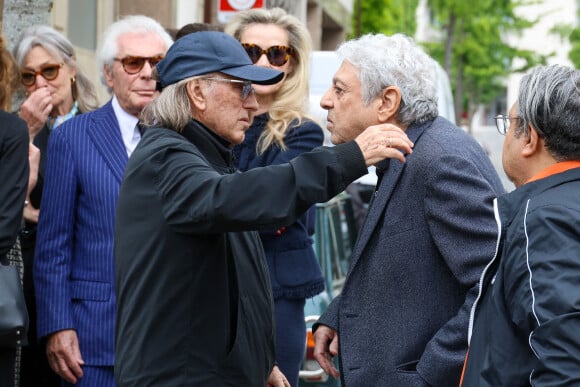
(147, 70)
(251, 102)
(326, 101)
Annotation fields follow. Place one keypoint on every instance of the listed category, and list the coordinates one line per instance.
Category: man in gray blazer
(403, 313)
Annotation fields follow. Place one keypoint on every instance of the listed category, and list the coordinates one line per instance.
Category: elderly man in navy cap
(194, 305)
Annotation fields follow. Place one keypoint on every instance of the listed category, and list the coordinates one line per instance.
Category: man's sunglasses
(277, 55)
(48, 72)
(247, 88)
(134, 64)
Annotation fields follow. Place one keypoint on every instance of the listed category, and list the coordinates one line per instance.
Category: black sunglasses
(48, 72)
(134, 64)
(277, 55)
(247, 88)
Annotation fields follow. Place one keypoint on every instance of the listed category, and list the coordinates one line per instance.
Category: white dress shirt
(128, 126)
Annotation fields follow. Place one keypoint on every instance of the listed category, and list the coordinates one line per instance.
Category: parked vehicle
(335, 234)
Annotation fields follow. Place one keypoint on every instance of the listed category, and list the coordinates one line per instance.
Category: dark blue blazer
(73, 266)
(294, 270)
(403, 313)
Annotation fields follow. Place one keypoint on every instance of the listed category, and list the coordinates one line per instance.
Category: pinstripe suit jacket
(403, 313)
(73, 266)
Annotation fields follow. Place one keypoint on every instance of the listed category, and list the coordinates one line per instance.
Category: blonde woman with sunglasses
(56, 89)
(281, 130)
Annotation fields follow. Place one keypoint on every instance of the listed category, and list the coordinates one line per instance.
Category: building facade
(83, 21)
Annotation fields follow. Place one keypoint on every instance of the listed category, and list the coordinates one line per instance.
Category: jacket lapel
(105, 133)
(383, 192)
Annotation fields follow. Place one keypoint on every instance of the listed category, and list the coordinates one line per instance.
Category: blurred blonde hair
(8, 76)
(291, 99)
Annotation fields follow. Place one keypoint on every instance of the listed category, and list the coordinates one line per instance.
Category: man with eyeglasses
(73, 267)
(194, 302)
(525, 328)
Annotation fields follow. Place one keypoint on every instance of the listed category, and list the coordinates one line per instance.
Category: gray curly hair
(395, 60)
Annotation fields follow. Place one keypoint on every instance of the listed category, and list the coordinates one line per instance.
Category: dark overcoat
(194, 299)
(403, 313)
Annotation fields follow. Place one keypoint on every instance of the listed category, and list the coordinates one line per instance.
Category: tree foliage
(476, 52)
(384, 16)
(574, 53)
(475, 49)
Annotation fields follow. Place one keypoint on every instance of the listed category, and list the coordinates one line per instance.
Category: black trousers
(7, 359)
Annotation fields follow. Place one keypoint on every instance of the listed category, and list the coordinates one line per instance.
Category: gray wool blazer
(403, 313)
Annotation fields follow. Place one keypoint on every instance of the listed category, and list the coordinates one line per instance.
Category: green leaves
(384, 16)
(574, 53)
(474, 46)
(477, 50)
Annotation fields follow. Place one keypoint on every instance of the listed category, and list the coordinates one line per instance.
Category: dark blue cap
(206, 52)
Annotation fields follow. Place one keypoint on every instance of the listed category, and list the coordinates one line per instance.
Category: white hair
(395, 60)
(109, 48)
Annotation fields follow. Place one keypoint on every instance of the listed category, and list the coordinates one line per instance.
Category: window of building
(82, 23)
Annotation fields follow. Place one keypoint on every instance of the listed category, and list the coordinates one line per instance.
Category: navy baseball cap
(206, 52)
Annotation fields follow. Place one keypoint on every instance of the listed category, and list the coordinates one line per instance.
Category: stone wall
(19, 14)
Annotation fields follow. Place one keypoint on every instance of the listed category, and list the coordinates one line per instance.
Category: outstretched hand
(382, 141)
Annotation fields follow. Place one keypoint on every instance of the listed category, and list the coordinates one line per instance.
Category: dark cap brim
(256, 74)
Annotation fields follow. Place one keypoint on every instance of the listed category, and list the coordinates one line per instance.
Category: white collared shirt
(128, 126)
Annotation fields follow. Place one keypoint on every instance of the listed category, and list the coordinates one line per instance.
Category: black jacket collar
(217, 150)
(510, 203)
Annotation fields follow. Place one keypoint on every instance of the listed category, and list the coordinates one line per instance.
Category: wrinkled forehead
(140, 44)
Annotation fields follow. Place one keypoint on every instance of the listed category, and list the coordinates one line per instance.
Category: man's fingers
(76, 369)
(70, 367)
(64, 355)
(323, 342)
(59, 365)
(394, 153)
(333, 348)
(327, 365)
(383, 141)
(76, 360)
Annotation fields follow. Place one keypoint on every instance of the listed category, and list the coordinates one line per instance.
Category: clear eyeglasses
(502, 123)
(247, 88)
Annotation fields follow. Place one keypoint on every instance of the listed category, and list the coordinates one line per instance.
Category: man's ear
(533, 142)
(108, 71)
(389, 103)
(197, 96)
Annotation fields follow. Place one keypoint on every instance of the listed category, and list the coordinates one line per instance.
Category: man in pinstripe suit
(73, 267)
